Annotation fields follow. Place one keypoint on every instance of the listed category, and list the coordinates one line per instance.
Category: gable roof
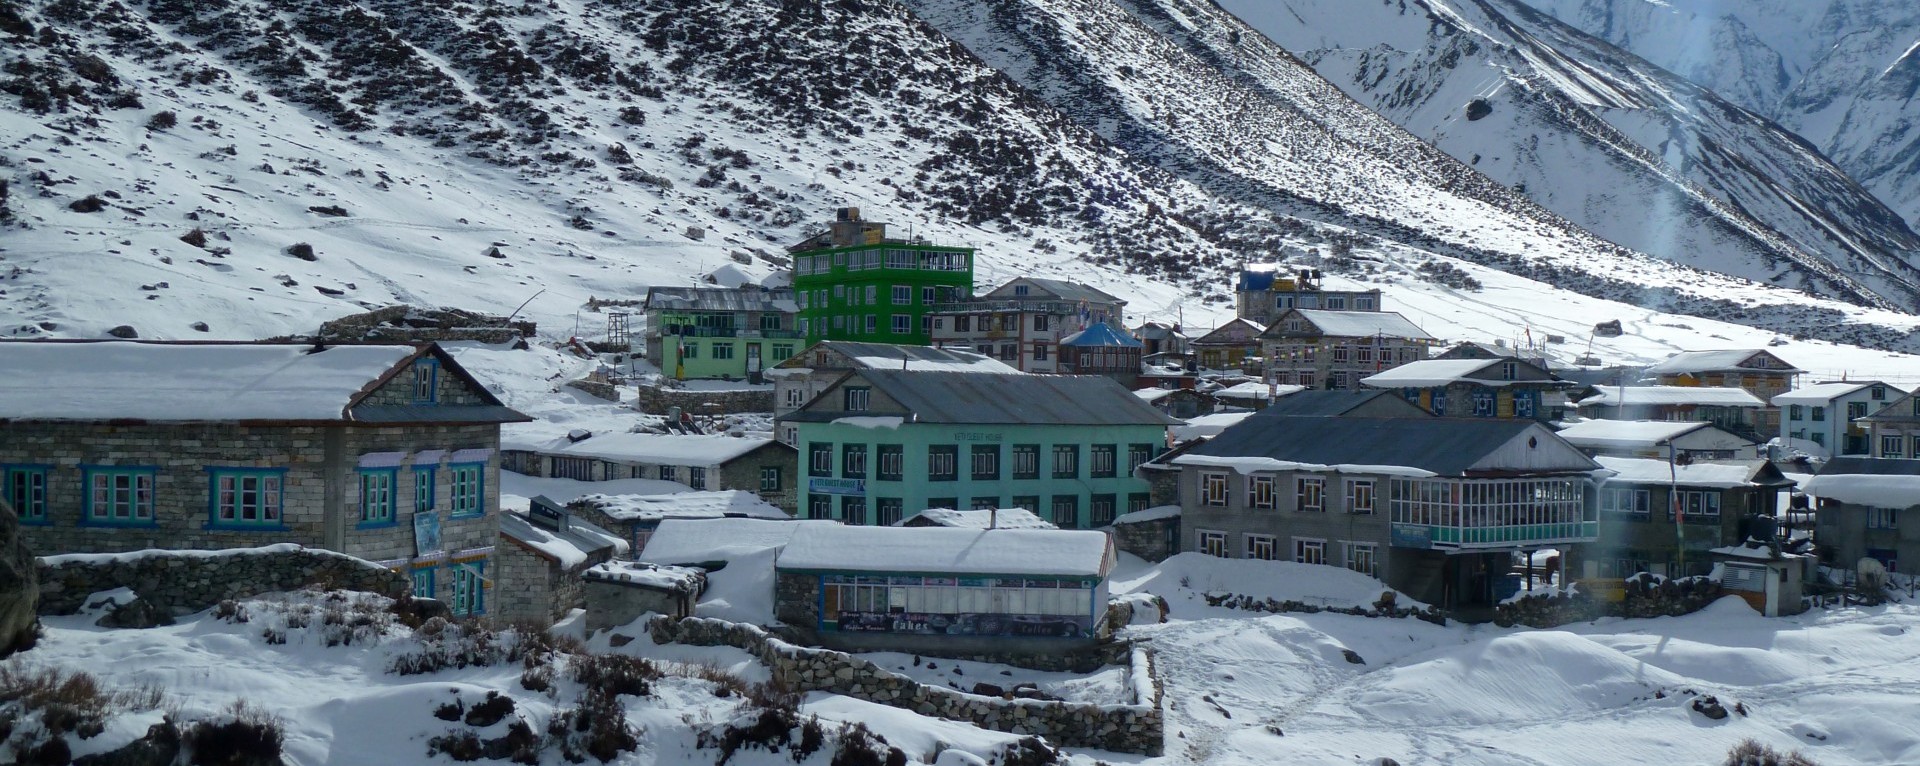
(1725, 360)
(890, 356)
(1100, 334)
(1876, 482)
(1822, 393)
(1322, 403)
(569, 548)
(1226, 332)
(1058, 552)
(744, 298)
(1055, 288)
(709, 504)
(971, 397)
(220, 382)
(1629, 433)
(1003, 518)
(1256, 390)
(1157, 331)
(1354, 324)
(1403, 446)
(1440, 372)
(670, 449)
(1716, 396)
(696, 541)
(1716, 474)
(1901, 409)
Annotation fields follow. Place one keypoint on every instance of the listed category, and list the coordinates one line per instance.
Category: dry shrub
(1752, 753)
(613, 673)
(68, 702)
(246, 735)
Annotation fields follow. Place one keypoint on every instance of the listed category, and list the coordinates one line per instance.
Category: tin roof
(743, 298)
(974, 397)
(1416, 446)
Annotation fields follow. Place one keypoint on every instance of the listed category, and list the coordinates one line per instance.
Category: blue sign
(426, 534)
(1412, 536)
(837, 486)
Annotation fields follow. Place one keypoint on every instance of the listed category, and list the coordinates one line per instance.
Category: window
(667, 473)
(1263, 547)
(1310, 494)
(770, 321)
(1306, 378)
(1100, 511)
(423, 489)
(1523, 404)
(1819, 438)
(943, 502)
(469, 589)
(1009, 351)
(1856, 410)
(1483, 404)
(986, 462)
(376, 496)
(1138, 455)
(1026, 461)
(1260, 491)
(1366, 355)
(1695, 504)
(873, 294)
(1879, 393)
(943, 462)
(902, 324)
(1213, 543)
(1360, 496)
(1890, 445)
(1336, 303)
(467, 490)
(1509, 370)
(853, 509)
(1066, 511)
(1066, 461)
(119, 495)
(926, 295)
(1363, 304)
(1338, 380)
(770, 478)
(25, 488)
(689, 350)
(697, 477)
(1029, 502)
(722, 350)
(927, 323)
(1309, 551)
(1103, 456)
(423, 582)
(853, 461)
(857, 398)
(1625, 500)
(819, 506)
(819, 459)
(1363, 557)
(1883, 518)
(1796, 412)
(872, 321)
(1040, 352)
(1040, 322)
(902, 295)
(1213, 489)
(1019, 289)
(425, 376)
(984, 503)
(1819, 414)
(1137, 501)
(963, 323)
(244, 497)
(796, 396)
(1340, 354)
(891, 509)
(782, 351)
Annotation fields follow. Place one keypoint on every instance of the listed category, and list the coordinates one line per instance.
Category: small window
(689, 350)
(423, 582)
(1260, 491)
(1890, 445)
(1138, 455)
(1104, 459)
(770, 321)
(468, 493)
(983, 503)
(1309, 551)
(1509, 370)
(872, 322)
(669, 473)
(1310, 494)
(1040, 352)
(1879, 393)
(892, 462)
(376, 496)
(963, 323)
(25, 488)
(1213, 543)
(1819, 414)
(1213, 489)
(1101, 510)
(469, 589)
(1138, 501)
(943, 462)
(1363, 558)
(1883, 518)
(891, 510)
(902, 324)
(423, 489)
(902, 295)
(926, 296)
(246, 497)
(819, 459)
(1040, 322)
(697, 477)
(425, 379)
(853, 510)
(819, 506)
(722, 350)
(857, 398)
(1066, 511)
(1026, 461)
(853, 461)
(1796, 412)
(1019, 289)
(770, 478)
(1066, 461)
(1263, 548)
(1360, 496)
(986, 462)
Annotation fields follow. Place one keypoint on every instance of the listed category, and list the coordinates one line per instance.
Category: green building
(853, 283)
(719, 332)
(879, 445)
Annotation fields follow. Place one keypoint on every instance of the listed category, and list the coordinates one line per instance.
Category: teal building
(879, 445)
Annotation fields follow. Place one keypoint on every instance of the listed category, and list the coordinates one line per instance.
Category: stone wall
(1136, 727)
(526, 585)
(184, 582)
(408, 324)
(1644, 596)
(659, 401)
(1153, 540)
(613, 604)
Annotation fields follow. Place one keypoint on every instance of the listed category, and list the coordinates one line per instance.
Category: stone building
(1667, 518)
(1335, 349)
(541, 557)
(1263, 293)
(701, 462)
(800, 379)
(1227, 347)
(1024, 321)
(1859, 504)
(384, 452)
(1479, 388)
(634, 518)
(1756, 371)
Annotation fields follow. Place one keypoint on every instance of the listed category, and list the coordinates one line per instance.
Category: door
(753, 363)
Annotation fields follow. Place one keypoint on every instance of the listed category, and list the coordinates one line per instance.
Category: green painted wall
(918, 492)
(721, 351)
(855, 285)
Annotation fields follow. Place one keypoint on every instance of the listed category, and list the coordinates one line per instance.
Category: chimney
(993, 517)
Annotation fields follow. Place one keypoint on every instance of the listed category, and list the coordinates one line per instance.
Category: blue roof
(1253, 281)
(1101, 334)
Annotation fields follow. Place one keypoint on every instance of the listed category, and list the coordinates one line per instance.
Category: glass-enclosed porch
(1503, 513)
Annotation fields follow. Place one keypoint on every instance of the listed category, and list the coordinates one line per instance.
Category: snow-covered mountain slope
(1629, 151)
(1844, 74)
(482, 155)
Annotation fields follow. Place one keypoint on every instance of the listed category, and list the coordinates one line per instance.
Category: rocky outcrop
(19, 586)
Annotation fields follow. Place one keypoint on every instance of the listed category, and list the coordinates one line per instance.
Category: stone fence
(1130, 728)
(1643, 595)
(659, 400)
(182, 582)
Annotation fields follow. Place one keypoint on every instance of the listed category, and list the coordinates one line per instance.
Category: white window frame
(1252, 545)
(1260, 492)
(1213, 489)
(1359, 490)
(1211, 542)
(1318, 495)
(1305, 548)
(1362, 557)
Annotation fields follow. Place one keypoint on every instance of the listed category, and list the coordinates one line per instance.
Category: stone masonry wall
(1152, 540)
(659, 401)
(1644, 596)
(614, 604)
(525, 585)
(184, 582)
(1137, 727)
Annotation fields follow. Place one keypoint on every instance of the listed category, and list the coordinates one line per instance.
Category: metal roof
(1727, 360)
(1358, 324)
(1631, 396)
(408, 413)
(1319, 403)
(1100, 334)
(1855, 465)
(1442, 446)
(972, 397)
(892, 356)
(745, 298)
(1056, 288)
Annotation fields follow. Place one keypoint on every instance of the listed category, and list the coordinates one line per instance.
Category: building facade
(730, 333)
(1227, 347)
(1660, 439)
(800, 379)
(1756, 371)
(854, 283)
(1667, 519)
(388, 453)
(880, 445)
(1828, 419)
(1729, 409)
(540, 559)
(1263, 293)
(1894, 430)
(1478, 388)
(1023, 322)
(764, 467)
(1862, 503)
(1336, 349)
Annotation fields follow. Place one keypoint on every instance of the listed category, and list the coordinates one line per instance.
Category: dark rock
(1710, 707)
(159, 747)
(124, 331)
(1478, 109)
(493, 710)
(1352, 656)
(200, 327)
(136, 614)
(331, 211)
(19, 586)
(88, 204)
(197, 238)
(329, 291)
(1609, 329)
(988, 690)
(303, 251)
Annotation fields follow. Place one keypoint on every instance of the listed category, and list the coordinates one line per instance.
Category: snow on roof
(1255, 390)
(672, 449)
(1702, 395)
(691, 541)
(1724, 360)
(655, 576)
(685, 505)
(569, 549)
(1748, 550)
(1154, 394)
(941, 550)
(888, 356)
(1822, 393)
(1356, 324)
(1432, 372)
(180, 382)
(1207, 425)
(1155, 513)
(1004, 518)
(1875, 482)
(1628, 433)
(1717, 475)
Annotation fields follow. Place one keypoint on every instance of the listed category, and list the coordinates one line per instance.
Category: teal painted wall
(918, 492)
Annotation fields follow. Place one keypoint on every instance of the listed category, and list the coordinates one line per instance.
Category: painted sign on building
(837, 486)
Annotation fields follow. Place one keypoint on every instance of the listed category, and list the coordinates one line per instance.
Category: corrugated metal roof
(403, 413)
(1714, 396)
(891, 356)
(1059, 288)
(745, 298)
(1443, 446)
(1322, 403)
(1727, 360)
(972, 397)
(1100, 334)
(1360, 324)
(1870, 466)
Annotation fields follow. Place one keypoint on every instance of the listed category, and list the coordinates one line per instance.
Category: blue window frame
(422, 490)
(468, 494)
(426, 381)
(25, 488)
(376, 496)
(246, 498)
(119, 495)
(469, 589)
(423, 582)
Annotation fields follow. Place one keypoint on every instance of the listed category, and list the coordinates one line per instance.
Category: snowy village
(1013, 383)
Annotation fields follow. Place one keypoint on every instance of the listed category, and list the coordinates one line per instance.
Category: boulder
(19, 586)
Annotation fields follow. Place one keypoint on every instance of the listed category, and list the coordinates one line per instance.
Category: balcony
(1442, 537)
(1491, 514)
